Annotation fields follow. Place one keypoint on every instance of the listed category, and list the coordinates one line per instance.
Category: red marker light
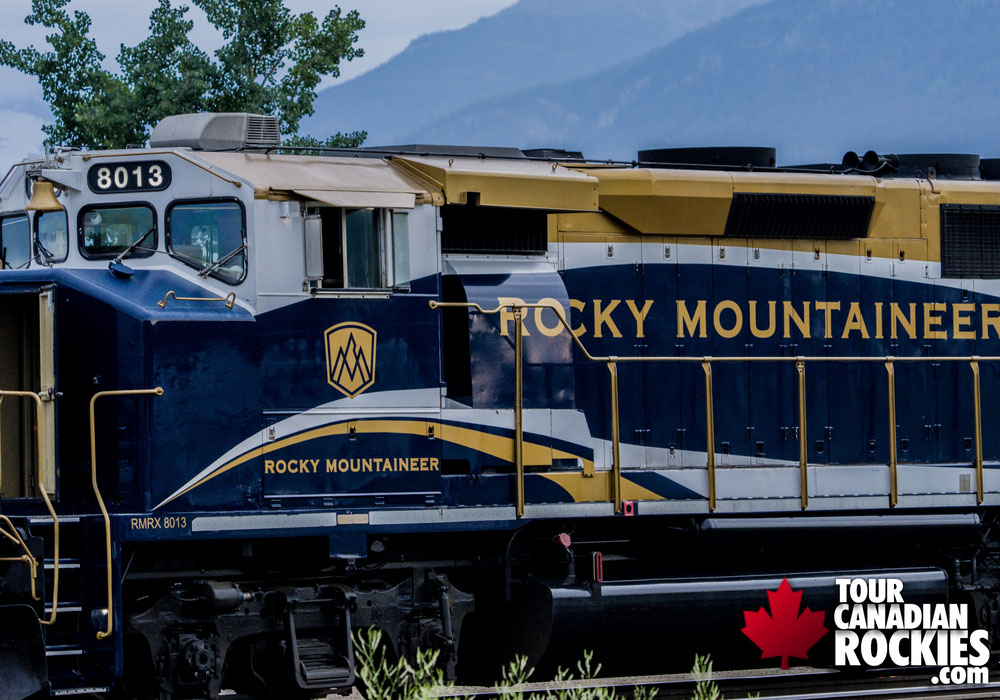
(563, 540)
(628, 508)
(597, 567)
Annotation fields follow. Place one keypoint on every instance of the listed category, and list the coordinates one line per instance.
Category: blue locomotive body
(273, 399)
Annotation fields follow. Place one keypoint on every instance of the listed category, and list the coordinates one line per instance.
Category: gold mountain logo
(350, 357)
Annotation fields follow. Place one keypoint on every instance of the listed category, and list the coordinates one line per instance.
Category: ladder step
(67, 607)
(63, 564)
(83, 690)
(64, 650)
(47, 519)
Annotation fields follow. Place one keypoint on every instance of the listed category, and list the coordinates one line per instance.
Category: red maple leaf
(784, 632)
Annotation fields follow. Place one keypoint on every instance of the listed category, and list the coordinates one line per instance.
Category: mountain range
(812, 77)
(530, 43)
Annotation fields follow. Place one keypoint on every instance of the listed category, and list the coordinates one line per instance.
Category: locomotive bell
(43, 197)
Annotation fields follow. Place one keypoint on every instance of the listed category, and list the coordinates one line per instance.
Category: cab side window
(364, 249)
(51, 237)
(15, 242)
(209, 235)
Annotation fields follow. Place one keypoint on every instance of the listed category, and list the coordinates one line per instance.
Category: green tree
(271, 63)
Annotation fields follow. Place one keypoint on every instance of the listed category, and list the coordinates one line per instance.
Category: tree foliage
(271, 63)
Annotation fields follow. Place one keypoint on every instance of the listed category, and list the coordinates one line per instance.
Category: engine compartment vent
(840, 217)
(970, 240)
(472, 229)
(217, 131)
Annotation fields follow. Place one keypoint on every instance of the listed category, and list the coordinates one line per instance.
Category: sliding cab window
(364, 249)
(51, 237)
(209, 235)
(15, 242)
(107, 232)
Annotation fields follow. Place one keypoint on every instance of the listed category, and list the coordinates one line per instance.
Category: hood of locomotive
(70, 333)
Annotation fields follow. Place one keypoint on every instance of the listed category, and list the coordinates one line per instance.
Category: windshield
(109, 231)
(209, 235)
(15, 241)
(52, 236)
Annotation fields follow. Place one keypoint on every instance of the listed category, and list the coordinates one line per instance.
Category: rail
(33, 563)
(158, 391)
(519, 311)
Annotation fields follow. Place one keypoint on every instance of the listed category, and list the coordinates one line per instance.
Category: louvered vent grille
(475, 229)
(839, 217)
(970, 240)
(262, 132)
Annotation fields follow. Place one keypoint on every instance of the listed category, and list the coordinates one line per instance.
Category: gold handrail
(179, 154)
(800, 362)
(800, 367)
(709, 430)
(616, 456)
(158, 391)
(48, 504)
(519, 411)
(28, 558)
(230, 299)
(893, 463)
(978, 417)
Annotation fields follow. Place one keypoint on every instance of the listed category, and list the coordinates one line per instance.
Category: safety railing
(13, 535)
(158, 391)
(519, 310)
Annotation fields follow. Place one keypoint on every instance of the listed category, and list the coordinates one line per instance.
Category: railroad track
(795, 684)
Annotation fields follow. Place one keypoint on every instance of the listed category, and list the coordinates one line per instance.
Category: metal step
(83, 690)
(63, 564)
(64, 650)
(320, 665)
(67, 607)
(47, 519)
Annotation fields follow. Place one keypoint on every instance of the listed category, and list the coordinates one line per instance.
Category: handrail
(519, 412)
(800, 368)
(197, 163)
(616, 464)
(893, 457)
(48, 503)
(978, 416)
(230, 299)
(158, 391)
(707, 360)
(710, 430)
(28, 558)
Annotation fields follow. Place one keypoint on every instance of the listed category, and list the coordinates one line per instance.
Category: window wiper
(221, 261)
(131, 249)
(46, 253)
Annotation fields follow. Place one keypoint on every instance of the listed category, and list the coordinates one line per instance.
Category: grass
(424, 680)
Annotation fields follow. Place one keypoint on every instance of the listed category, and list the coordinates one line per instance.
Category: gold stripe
(487, 443)
(598, 487)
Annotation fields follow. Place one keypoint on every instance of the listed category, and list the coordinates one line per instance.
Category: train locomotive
(492, 401)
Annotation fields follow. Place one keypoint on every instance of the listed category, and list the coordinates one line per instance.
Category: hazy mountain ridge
(530, 43)
(812, 77)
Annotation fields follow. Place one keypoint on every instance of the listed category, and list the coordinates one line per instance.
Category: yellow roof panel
(499, 182)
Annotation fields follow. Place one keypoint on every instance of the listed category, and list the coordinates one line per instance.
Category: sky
(390, 26)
